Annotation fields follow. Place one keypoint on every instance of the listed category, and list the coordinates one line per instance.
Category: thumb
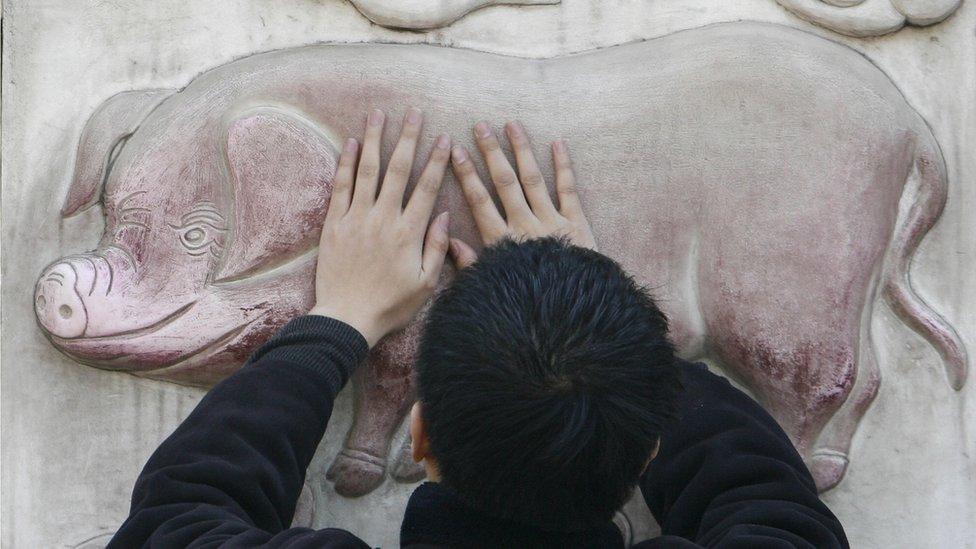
(462, 254)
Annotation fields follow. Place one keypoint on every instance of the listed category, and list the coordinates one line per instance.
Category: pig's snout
(57, 298)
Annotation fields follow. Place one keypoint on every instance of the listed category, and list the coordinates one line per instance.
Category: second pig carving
(750, 173)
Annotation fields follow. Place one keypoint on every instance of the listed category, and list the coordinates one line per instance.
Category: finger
(533, 185)
(435, 247)
(343, 181)
(401, 161)
(463, 255)
(501, 172)
(490, 223)
(367, 176)
(424, 195)
(569, 203)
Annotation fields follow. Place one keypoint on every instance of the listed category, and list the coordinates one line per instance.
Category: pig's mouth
(148, 347)
(220, 341)
(198, 355)
(128, 334)
(161, 346)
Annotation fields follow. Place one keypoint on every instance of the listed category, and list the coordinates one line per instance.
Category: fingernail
(444, 220)
(351, 145)
(443, 141)
(516, 128)
(375, 117)
(482, 130)
(559, 145)
(459, 154)
(413, 116)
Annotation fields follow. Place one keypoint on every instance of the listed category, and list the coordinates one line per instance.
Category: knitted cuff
(329, 347)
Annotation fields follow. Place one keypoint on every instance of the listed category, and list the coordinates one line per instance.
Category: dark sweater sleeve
(726, 475)
(231, 473)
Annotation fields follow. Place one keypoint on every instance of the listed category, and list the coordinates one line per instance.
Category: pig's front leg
(383, 393)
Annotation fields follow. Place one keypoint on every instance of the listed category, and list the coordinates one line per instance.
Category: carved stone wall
(824, 261)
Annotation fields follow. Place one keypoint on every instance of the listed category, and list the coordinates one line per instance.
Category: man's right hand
(529, 211)
(379, 261)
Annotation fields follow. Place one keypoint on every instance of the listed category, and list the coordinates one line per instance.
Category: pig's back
(728, 117)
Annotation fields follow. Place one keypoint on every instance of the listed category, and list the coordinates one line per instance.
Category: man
(547, 387)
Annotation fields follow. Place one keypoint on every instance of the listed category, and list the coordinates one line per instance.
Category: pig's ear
(281, 168)
(101, 140)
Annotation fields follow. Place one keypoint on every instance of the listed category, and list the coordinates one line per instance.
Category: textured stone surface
(74, 437)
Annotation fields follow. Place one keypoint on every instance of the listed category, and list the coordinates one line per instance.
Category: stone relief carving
(425, 14)
(751, 173)
(859, 18)
(871, 17)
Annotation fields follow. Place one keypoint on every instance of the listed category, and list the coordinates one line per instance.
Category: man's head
(545, 377)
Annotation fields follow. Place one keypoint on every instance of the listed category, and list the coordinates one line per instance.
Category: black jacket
(725, 476)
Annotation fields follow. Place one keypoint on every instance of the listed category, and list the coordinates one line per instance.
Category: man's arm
(726, 475)
(232, 472)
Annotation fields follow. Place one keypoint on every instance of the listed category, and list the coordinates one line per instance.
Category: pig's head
(209, 242)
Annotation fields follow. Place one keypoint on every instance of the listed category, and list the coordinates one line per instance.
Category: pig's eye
(200, 237)
(194, 238)
(201, 231)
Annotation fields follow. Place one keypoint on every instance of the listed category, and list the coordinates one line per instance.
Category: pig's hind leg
(794, 341)
(383, 392)
(803, 384)
(829, 458)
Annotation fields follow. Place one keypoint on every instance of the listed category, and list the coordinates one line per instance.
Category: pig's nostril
(41, 302)
(65, 311)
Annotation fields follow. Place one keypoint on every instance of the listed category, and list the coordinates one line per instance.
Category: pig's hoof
(406, 469)
(356, 473)
(409, 472)
(828, 468)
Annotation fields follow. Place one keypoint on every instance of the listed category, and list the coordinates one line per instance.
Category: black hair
(545, 376)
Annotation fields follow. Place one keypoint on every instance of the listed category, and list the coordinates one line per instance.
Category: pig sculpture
(767, 184)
